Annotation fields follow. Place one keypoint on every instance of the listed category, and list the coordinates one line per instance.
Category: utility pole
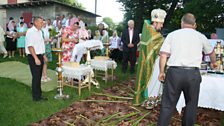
(95, 6)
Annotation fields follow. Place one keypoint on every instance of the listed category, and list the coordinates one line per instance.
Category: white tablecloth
(76, 73)
(103, 65)
(81, 48)
(211, 93)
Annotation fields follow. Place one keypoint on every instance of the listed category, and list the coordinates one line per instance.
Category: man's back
(186, 46)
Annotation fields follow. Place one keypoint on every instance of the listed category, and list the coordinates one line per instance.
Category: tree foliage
(109, 21)
(141, 9)
(73, 3)
(119, 28)
(209, 13)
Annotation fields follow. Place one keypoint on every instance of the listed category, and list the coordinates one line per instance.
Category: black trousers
(36, 71)
(129, 55)
(115, 54)
(10, 44)
(178, 80)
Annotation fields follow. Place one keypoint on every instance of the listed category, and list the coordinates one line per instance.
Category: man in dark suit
(130, 39)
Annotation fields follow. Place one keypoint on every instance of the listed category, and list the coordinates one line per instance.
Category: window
(12, 1)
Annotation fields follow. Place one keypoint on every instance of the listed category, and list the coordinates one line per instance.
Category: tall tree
(171, 11)
(141, 9)
(120, 28)
(109, 22)
(73, 3)
(209, 13)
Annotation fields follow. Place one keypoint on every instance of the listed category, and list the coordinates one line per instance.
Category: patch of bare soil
(114, 107)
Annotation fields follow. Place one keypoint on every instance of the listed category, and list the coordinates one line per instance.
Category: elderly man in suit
(130, 39)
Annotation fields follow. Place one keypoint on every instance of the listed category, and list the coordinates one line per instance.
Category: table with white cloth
(211, 93)
(70, 73)
(103, 65)
(81, 48)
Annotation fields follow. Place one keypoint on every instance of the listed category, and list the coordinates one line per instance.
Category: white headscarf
(10, 26)
(105, 36)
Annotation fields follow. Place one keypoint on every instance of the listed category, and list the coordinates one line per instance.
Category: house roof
(43, 2)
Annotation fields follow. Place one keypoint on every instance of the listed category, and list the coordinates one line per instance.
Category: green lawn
(17, 107)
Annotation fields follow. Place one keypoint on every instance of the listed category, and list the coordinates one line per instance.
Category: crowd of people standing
(62, 33)
(70, 30)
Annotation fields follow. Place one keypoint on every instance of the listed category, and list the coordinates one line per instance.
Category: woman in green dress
(97, 35)
(104, 39)
(21, 32)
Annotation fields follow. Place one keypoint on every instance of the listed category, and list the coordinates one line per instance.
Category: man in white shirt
(184, 48)
(35, 49)
(68, 21)
(63, 20)
(49, 25)
(81, 23)
(56, 22)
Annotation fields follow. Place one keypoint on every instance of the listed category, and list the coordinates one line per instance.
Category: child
(48, 54)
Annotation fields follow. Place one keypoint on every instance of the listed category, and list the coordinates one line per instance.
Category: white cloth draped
(76, 73)
(211, 90)
(211, 93)
(103, 65)
(81, 48)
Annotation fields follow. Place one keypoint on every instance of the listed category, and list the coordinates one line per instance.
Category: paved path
(21, 73)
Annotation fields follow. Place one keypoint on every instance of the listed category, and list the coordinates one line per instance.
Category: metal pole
(95, 6)
(60, 78)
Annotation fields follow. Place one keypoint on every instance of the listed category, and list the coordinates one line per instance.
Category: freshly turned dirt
(98, 113)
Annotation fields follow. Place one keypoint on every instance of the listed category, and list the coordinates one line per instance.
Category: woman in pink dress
(70, 37)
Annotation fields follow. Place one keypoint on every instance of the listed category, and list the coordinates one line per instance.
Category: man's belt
(184, 67)
(36, 54)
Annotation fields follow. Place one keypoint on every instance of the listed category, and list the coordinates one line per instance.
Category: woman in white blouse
(114, 46)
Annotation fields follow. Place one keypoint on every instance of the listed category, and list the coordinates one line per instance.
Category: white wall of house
(36, 11)
(3, 2)
(3, 18)
(22, 1)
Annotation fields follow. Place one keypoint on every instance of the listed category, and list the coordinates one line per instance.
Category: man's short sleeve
(166, 47)
(207, 48)
(29, 38)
